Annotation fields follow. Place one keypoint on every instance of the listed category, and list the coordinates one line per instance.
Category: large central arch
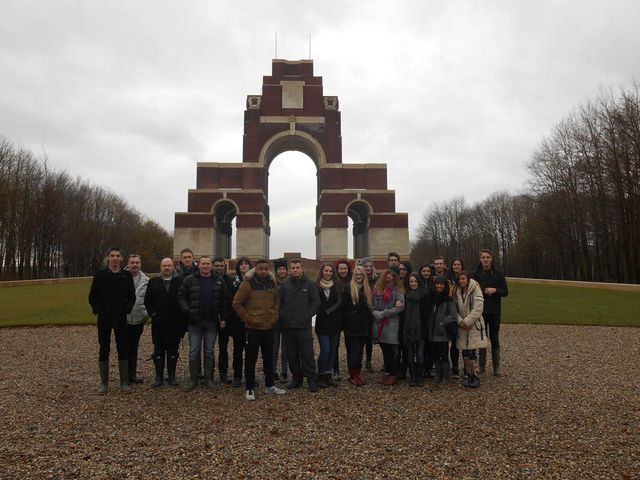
(292, 114)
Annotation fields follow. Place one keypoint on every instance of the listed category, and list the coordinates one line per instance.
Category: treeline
(53, 225)
(580, 219)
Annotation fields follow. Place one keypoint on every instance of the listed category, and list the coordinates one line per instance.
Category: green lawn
(63, 304)
(570, 306)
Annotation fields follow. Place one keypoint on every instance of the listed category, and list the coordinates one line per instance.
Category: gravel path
(567, 406)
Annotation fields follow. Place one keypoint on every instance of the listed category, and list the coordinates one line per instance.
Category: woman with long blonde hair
(356, 308)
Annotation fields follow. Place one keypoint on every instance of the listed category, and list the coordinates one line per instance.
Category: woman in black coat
(356, 314)
(328, 322)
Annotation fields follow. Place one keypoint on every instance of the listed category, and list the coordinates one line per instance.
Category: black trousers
(122, 342)
(369, 348)
(300, 352)
(223, 354)
(239, 344)
(455, 353)
(390, 357)
(439, 351)
(492, 321)
(258, 340)
(355, 346)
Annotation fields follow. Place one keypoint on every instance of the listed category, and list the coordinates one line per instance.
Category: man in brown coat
(256, 302)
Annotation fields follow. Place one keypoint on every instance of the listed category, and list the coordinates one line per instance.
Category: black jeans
(122, 342)
(263, 340)
(223, 354)
(300, 352)
(355, 346)
(369, 348)
(455, 353)
(390, 357)
(492, 321)
(439, 351)
(239, 344)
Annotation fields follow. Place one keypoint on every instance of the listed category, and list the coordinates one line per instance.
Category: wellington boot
(359, 378)
(419, 375)
(412, 375)
(103, 367)
(495, 358)
(172, 362)
(322, 381)
(133, 370)
(438, 378)
(208, 372)
(446, 373)
(482, 358)
(158, 360)
(352, 376)
(296, 382)
(313, 384)
(194, 374)
(123, 366)
(473, 382)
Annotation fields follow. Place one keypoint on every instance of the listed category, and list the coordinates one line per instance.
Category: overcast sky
(453, 95)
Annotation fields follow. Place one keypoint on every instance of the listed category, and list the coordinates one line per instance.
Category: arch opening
(360, 214)
(224, 214)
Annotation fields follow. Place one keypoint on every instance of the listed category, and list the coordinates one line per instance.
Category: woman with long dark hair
(412, 330)
(388, 302)
(442, 316)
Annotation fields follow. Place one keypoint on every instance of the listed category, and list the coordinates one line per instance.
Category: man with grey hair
(167, 320)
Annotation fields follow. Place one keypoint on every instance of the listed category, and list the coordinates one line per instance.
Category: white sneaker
(250, 395)
(275, 390)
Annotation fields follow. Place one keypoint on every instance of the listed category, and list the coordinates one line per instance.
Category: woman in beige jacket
(472, 333)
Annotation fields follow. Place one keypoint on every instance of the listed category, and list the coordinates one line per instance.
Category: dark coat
(491, 279)
(329, 317)
(168, 322)
(112, 297)
(440, 316)
(189, 298)
(299, 302)
(356, 318)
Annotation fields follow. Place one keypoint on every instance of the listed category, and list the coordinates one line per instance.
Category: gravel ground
(567, 406)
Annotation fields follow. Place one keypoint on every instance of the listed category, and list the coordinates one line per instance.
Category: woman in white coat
(472, 333)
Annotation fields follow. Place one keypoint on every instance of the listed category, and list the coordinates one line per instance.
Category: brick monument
(292, 114)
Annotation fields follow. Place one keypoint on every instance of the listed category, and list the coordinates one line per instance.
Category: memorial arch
(292, 114)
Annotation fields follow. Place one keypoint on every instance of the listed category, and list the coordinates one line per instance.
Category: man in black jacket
(203, 297)
(494, 287)
(299, 302)
(167, 320)
(112, 296)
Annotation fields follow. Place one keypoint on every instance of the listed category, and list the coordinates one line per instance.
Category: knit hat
(279, 262)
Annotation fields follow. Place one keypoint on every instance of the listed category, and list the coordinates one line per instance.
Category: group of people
(421, 320)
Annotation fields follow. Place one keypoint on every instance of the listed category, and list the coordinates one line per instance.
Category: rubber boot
(495, 358)
(352, 376)
(359, 378)
(446, 373)
(172, 362)
(123, 366)
(194, 374)
(412, 375)
(474, 380)
(438, 365)
(322, 381)
(103, 368)
(482, 357)
(313, 383)
(419, 376)
(208, 372)
(158, 361)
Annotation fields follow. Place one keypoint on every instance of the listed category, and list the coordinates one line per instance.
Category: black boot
(322, 381)
(158, 360)
(495, 358)
(103, 367)
(123, 366)
(133, 370)
(296, 382)
(208, 372)
(412, 375)
(419, 377)
(313, 383)
(194, 374)
(172, 362)
(482, 359)
(438, 378)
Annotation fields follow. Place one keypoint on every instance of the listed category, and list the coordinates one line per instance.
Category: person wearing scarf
(388, 302)
(343, 277)
(328, 323)
(357, 322)
(412, 330)
(442, 316)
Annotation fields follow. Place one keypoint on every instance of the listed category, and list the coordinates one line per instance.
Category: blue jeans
(198, 333)
(328, 350)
